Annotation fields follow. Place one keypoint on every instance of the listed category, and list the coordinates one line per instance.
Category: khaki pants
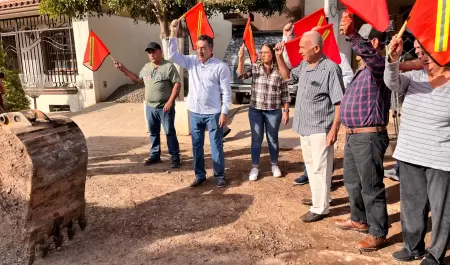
(319, 164)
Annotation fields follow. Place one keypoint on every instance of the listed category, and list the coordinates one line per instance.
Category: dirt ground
(147, 215)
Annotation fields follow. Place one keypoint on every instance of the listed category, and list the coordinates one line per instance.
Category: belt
(376, 129)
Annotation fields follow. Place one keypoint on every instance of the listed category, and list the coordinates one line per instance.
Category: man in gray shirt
(423, 154)
(162, 85)
(316, 117)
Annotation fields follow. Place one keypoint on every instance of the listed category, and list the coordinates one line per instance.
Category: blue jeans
(156, 117)
(198, 124)
(270, 120)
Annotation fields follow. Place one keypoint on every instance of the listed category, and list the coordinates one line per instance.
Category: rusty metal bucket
(43, 168)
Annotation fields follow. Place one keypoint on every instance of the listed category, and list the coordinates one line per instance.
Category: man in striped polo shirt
(423, 152)
(365, 114)
(316, 117)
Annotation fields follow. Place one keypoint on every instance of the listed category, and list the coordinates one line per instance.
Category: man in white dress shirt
(208, 102)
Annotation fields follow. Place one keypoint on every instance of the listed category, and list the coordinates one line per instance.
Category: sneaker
(391, 174)
(221, 183)
(301, 180)
(276, 171)
(253, 174)
(311, 217)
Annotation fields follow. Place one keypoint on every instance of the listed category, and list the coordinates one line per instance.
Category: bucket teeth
(82, 222)
(70, 230)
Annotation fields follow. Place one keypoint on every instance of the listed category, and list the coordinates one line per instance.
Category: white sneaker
(276, 171)
(253, 174)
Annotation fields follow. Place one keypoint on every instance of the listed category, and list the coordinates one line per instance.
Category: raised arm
(372, 57)
(132, 76)
(242, 74)
(347, 72)
(176, 57)
(392, 78)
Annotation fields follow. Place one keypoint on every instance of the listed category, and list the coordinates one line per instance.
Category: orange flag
(374, 12)
(316, 19)
(197, 23)
(96, 52)
(330, 47)
(250, 42)
(430, 23)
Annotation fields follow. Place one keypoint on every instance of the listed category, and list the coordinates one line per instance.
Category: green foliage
(15, 98)
(155, 11)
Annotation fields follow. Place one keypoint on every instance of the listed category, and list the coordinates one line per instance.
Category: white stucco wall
(126, 41)
(85, 97)
(222, 34)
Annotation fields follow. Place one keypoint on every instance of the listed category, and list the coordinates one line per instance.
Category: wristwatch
(285, 110)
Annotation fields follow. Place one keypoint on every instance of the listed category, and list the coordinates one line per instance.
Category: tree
(160, 12)
(15, 98)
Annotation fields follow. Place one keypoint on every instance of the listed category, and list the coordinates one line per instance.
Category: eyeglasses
(265, 52)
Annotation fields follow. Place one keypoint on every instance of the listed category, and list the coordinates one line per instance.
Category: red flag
(316, 19)
(197, 23)
(250, 42)
(292, 49)
(330, 47)
(430, 22)
(96, 52)
(374, 12)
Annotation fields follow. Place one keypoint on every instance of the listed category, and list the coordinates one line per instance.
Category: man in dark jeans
(365, 114)
(162, 85)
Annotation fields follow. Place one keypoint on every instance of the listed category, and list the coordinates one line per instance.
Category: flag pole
(112, 58)
(399, 35)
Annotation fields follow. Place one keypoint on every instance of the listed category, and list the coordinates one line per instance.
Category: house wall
(126, 41)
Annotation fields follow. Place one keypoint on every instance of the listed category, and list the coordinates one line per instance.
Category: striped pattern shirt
(424, 137)
(367, 99)
(319, 89)
(269, 91)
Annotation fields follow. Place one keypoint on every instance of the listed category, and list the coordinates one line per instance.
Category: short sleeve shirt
(319, 89)
(159, 82)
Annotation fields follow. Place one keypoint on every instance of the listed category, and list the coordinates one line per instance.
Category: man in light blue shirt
(208, 102)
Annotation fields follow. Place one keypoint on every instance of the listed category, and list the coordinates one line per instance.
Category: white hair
(315, 38)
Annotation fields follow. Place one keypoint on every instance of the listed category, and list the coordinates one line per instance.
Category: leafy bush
(15, 98)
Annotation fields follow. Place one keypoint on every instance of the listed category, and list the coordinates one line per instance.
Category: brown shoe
(371, 243)
(352, 225)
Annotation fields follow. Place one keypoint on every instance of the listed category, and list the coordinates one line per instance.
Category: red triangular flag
(330, 47)
(250, 42)
(316, 19)
(197, 23)
(427, 25)
(96, 52)
(374, 12)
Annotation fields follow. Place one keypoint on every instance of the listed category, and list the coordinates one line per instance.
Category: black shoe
(226, 133)
(197, 182)
(176, 164)
(221, 183)
(430, 260)
(151, 161)
(402, 256)
(310, 217)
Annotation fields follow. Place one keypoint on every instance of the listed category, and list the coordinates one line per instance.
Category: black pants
(423, 189)
(363, 178)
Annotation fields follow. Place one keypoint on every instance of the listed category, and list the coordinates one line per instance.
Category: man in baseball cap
(162, 86)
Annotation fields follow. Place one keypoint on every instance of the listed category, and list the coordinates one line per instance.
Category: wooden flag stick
(399, 35)
(112, 58)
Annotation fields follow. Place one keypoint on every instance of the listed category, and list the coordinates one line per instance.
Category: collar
(272, 66)
(319, 64)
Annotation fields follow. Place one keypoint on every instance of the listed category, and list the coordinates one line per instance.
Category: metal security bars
(41, 45)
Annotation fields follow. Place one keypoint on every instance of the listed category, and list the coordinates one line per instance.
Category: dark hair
(2, 75)
(207, 39)
(272, 49)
